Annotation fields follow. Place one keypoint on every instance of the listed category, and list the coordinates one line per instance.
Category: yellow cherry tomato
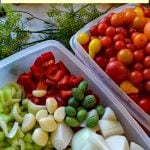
(125, 56)
(139, 11)
(128, 87)
(94, 46)
(83, 38)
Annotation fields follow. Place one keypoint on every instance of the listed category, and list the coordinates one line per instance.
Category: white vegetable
(33, 108)
(39, 93)
(62, 136)
(118, 142)
(98, 141)
(109, 128)
(41, 114)
(80, 138)
(109, 115)
(51, 105)
(134, 146)
(89, 146)
(59, 114)
(28, 123)
(3, 126)
(14, 130)
(40, 137)
(48, 124)
(91, 113)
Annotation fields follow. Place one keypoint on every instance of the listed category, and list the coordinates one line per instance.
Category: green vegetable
(92, 121)
(6, 117)
(100, 110)
(89, 101)
(72, 102)
(70, 111)
(28, 138)
(9, 148)
(2, 136)
(82, 115)
(72, 122)
(83, 86)
(78, 94)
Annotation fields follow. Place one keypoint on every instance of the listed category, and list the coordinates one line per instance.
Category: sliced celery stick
(13, 131)
(6, 118)
(9, 148)
(19, 134)
(2, 100)
(29, 146)
(28, 138)
(3, 125)
(1, 108)
(2, 136)
(7, 94)
(21, 144)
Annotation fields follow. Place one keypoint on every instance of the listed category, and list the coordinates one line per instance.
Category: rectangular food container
(20, 62)
(131, 106)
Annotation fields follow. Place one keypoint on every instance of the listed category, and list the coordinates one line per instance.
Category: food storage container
(142, 117)
(20, 62)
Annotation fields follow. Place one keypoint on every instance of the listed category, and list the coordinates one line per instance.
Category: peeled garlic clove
(134, 146)
(40, 137)
(48, 124)
(59, 114)
(28, 123)
(51, 105)
(39, 93)
(41, 114)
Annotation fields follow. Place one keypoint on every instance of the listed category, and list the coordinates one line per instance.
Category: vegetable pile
(49, 108)
(120, 45)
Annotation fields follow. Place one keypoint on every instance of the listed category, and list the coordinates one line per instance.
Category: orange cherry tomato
(139, 22)
(117, 19)
(140, 40)
(147, 30)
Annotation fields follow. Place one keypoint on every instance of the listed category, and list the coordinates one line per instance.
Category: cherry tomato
(145, 104)
(138, 55)
(116, 19)
(121, 30)
(139, 11)
(112, 59)
(138, 66)
(128, 40)
(119, 45)
(130, 46)
(147, 86)
(146, 74)
(133, 35)
(101, 61)
(140, 40)
(139, 22)
(109, 52)
(147, 48)
(146, 62)
(118, 37)
(105, 20)
(131, 30)
(110, 31)
(102, 28)
(93, 37)
(134, 97)
(136, 77)
(129, 16)
(106, 41)
(147, 30)
(85, 47)
(94, 30)
(147, 12)
(125, 56)
(117, 71)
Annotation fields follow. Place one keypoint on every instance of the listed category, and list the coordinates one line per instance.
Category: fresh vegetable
(89, 101)
(82, 115)
(41, 114)
(78, 94)
(83, 86)
(72, 122)
(70, 111)
(134, 146)
(72, 102)
(92, 121)
(59, 114)
(51, 105)
(100, 110)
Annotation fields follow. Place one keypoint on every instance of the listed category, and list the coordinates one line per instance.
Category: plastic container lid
(20, 62)
(142, 117)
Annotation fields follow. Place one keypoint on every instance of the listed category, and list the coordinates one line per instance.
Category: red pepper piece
(51, 83)
(64, 82)
(37, 71)
(51, 70)
(48, 63)
(38, 61)
(65, 94)
(61, 66)
(61, 102)
(47, 56)
(74, 81)
(41, 85)
(26, 81)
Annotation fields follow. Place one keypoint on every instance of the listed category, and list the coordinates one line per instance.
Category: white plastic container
(132, 107)
(20, 62)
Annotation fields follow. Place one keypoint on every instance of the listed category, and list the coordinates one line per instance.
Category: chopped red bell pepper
(47, 56)
(48, 63)
(65, 94)
(61, 66)
(64, 82)
(41, 85)
(51, 83)
(74, 80)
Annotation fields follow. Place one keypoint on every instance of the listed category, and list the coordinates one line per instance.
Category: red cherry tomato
(110, 31)
(121, 30)
(138, 55)
(94, 30)
(109, 52)
(102, 28)
(118, 37)
(146, 62)
(128, 40)
(105, 20)
(145, 104)
(136, 77)
(138, 66)
(119, 45)
(146, 74)
(147, 12)
(112, 59)
(101, 61)
(130, 46)
(147, 86)
(133, 35)
(131, 30)
(117, 71)
(147, 48)
(106, 41)
(134, 97)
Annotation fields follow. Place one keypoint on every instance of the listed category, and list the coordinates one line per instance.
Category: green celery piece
(9, 148)
(28, 138)
(37, 147)
(14, 85)
(19, 134)
(21, 143)
(29, 146)
(2, 99)
(6, 118)
(4, 127)
(1, 108)
(18, 93)
(2, 136)
(7, 94)
(25, 103)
